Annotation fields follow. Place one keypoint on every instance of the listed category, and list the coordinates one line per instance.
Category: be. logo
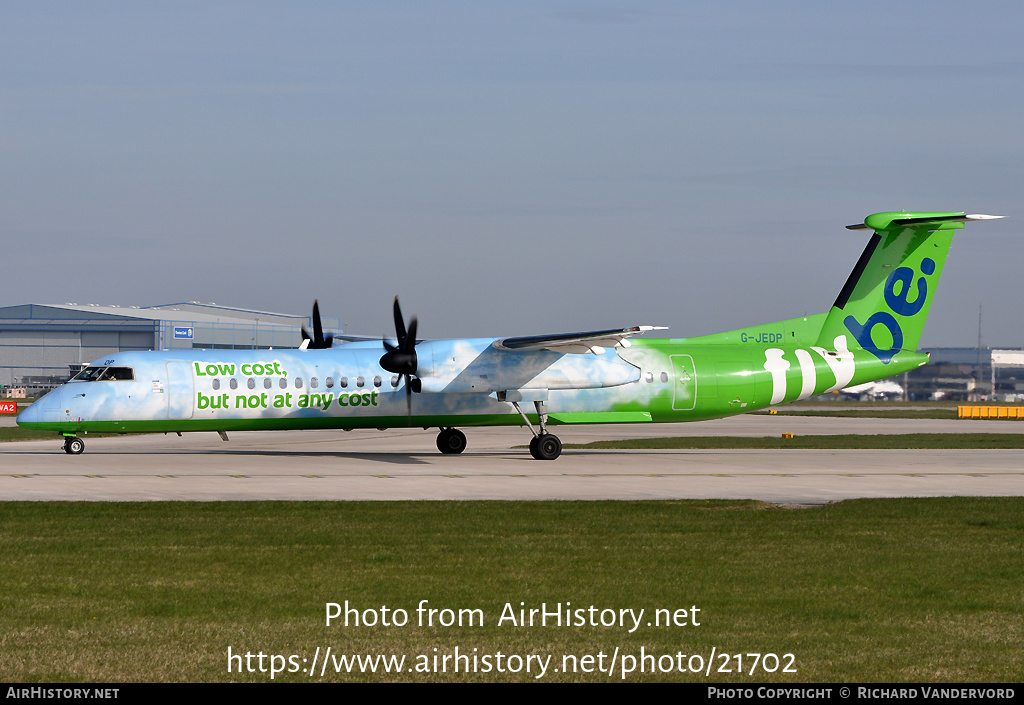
(898, 303)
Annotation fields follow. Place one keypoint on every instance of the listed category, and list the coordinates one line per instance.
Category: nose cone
(44, 409)
(29, 416)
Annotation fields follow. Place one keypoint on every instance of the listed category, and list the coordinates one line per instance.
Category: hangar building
(42, 344)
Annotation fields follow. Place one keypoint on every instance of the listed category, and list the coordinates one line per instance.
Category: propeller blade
(316, 339)
(410, 340)
(318, 329)
(401, 359)
(399, 323)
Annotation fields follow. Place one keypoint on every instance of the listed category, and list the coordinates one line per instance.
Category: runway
(404, 464)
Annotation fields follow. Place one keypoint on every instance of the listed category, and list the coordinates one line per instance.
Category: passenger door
(684, 386)
(180, 390)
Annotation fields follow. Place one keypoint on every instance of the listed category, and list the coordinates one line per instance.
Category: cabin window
(216, 384)
(313, 382)
(360, 382)
(233, 383)
(650, 377)
(283, 383)
(664, 377)
(343, 381)
(251, 383)
(267, 383)
(394, 381)
(376, 381)
(330, 382)
(298, 382)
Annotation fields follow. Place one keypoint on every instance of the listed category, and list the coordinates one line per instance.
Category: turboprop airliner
(871, 332)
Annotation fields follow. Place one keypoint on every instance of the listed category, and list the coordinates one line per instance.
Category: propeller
(317, 341)
(401, 359)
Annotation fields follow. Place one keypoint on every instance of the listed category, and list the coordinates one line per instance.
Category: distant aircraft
(879, 389)
(870, 333)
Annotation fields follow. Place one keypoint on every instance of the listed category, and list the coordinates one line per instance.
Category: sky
(507, 168)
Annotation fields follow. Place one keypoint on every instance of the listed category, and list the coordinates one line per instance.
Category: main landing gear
(543, 445)
(73, 445)
(451, 441)
(546, 446)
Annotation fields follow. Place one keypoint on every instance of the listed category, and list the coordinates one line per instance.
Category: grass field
(869, 590)
(880, 441)
(869, 412)
(17, 433)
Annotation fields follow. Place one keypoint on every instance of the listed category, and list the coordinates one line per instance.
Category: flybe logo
(840, 361)
(900, 303)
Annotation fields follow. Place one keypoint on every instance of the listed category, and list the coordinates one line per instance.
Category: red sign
(8, 407)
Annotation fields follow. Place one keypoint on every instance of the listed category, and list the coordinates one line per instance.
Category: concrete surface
(404, 464)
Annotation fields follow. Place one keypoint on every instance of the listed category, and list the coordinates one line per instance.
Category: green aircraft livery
(871, 332)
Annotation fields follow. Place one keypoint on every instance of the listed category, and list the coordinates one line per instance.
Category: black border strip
(855, 275)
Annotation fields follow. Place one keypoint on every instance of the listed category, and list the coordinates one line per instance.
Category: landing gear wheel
(546, 446)
(451, 441)
(74, 446)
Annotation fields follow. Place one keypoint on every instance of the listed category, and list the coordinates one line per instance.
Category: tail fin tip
(891, 287)
(883, 221)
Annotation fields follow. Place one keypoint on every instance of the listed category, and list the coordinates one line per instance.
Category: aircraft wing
(346, 338)
(586, 342)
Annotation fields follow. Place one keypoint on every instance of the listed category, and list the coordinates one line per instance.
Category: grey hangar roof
(40, 341)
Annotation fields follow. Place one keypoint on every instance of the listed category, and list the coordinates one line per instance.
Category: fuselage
(465, 383)
(870, 333)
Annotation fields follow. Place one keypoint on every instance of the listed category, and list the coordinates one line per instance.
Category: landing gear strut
(543, 445)
(73, 445)
(451, 441)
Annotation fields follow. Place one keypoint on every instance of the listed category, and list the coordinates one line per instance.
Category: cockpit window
(105, 374)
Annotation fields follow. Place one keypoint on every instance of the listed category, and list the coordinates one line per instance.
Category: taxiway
(404, 464)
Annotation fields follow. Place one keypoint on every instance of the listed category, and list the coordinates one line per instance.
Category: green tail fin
(883, 306)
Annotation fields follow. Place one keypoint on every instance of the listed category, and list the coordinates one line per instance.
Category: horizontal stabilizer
(882, 221)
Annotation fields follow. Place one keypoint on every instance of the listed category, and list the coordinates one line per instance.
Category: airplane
(870, 333)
